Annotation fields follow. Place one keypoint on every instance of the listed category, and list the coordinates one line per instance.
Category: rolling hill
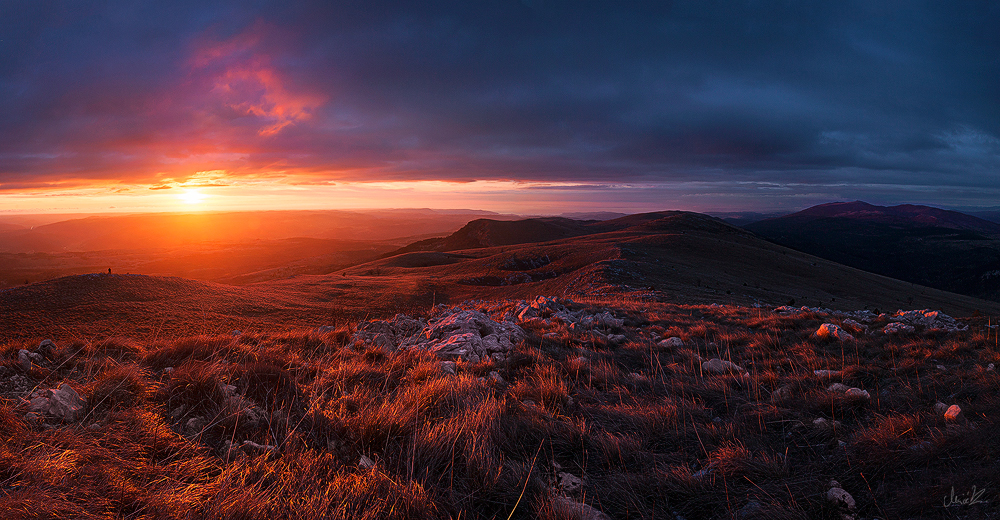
(675, 257)
(938, 248)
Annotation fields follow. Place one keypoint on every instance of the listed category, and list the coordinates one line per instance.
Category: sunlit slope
(684, 258)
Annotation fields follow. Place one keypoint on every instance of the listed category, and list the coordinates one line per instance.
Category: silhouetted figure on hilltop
(109, 270)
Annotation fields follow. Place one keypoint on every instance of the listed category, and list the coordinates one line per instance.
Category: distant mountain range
(938, 248)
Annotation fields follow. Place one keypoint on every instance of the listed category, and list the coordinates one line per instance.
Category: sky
(532, 106)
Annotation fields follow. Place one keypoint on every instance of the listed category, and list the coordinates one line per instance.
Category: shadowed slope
(929, 246)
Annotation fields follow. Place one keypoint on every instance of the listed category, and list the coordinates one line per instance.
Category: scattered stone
(990, 366)
(838, 387)
(616, 338)
(720, 366)
(195, 425)
(822, 422)
(831, 331)
(46, 348)
(24, 359)
(671, 342)
(857, 393)
(454, 334)
(826, 373)
(251, 446)
(325, 329)
(495, 377)
(930, 320)
(568, 508)
(855, 326)
(781, 394)
(365, 462)
(448, 367)
(839, 496)
(897, 328)
(953, 413)
(940, 408)
(569, 482)
(63, 403)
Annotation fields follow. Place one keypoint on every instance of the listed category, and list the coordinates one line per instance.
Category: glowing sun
(192, 196)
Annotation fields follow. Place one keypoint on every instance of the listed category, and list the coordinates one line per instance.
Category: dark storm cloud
(899, 93)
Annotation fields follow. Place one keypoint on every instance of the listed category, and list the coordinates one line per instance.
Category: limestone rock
(63, 403)
(671, 342)
(839, 496)
(720, 366)
(568, 508)
(569, 482)
(831, 331)
(826, 373)
(897, 328)
(953, 413)
(857, 393)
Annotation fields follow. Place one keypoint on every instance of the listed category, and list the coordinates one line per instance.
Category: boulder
(568, 508)
(63, 403)
(953, 413)
(857, 393)
(671, 342)
(720, 366)
(826, 373)
(831, 331)
(897, 328)
(838, 496)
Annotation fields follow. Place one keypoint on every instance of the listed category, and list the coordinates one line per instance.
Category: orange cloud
(246, 83)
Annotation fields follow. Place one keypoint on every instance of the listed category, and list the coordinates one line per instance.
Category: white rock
(259, 448)
(829, 330)
(24, 359)
(897, 328)
(839, 496)
(826, 373)
(63, 403)
(837, 387)
(569, 482)
(496, 378)
(720, 366)
(366, 463)
(569, 508)
(448, 367)
(857, 392)
(671, 342)
(781, 393)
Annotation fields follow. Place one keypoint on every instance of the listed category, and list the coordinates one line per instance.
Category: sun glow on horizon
(189, 196)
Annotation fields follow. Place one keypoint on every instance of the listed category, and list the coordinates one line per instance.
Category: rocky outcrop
(63, 403)
(454, 334)
(831, 331)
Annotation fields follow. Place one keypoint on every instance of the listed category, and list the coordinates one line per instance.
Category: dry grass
(275, 425)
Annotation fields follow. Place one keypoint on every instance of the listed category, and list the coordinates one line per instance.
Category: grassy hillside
(610, 420)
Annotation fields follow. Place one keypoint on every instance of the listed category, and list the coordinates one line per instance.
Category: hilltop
(938, 248)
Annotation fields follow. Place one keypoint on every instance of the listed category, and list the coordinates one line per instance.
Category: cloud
(803, 93)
